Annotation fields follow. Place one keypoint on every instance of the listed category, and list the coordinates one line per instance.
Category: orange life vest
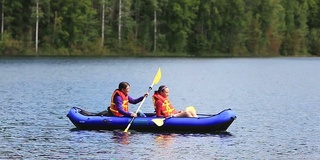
(125, 103)
(166, 104)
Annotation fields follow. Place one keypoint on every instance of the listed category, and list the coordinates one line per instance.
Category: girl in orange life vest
(120, 101)
(164, 108)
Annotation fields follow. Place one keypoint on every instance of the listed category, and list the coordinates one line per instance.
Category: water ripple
(276, 101)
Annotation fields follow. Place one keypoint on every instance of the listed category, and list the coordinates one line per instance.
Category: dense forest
(160, 27)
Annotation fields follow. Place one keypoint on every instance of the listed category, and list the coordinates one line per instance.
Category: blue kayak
(104, 121)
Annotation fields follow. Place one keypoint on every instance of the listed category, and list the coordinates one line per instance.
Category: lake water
(276, 100)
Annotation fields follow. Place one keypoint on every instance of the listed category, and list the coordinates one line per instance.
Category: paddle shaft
(155, 81)
(144, 98)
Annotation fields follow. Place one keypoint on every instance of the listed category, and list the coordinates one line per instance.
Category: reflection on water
(164, 140)
(121, 137)
(223, 134)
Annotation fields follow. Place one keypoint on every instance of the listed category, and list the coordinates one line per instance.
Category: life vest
(125, 103)
(166, 104)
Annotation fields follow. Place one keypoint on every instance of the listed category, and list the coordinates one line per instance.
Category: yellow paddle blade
(157, 77)
(126, 130)
(191, 108)
(159, 122)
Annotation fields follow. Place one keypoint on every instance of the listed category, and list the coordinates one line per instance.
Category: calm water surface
(276, 100)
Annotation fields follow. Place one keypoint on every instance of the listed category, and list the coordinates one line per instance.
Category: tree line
(160, 27)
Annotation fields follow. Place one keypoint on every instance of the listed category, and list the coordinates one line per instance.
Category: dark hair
(123, 85)
(161, 88)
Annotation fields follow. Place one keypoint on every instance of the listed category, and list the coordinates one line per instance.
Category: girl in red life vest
(120, 101)
(164, 108)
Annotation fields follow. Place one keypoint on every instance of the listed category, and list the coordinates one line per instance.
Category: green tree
(233, 27)
(75, 24)
(179, 16)
(143, 18)
(17, 27)
(296, 28)
(265, 24)
(314, 27)
(203, 31)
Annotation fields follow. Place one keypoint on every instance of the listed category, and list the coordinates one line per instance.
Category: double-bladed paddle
(155, 81)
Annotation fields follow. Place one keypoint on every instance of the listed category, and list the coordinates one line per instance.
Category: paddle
(160, 121)
(155, 81)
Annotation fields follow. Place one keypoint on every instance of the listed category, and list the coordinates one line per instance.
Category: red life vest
(125, 103)
(167, 108)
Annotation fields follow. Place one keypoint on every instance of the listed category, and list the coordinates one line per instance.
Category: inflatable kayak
(104, 121)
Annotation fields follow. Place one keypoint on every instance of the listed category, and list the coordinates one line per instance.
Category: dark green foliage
(183, 27)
